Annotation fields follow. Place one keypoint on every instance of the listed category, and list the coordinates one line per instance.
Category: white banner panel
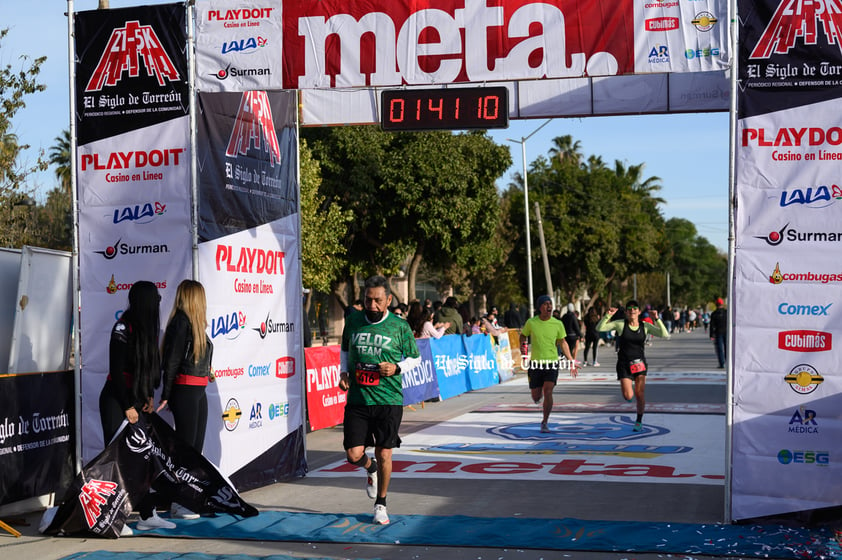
(134, 224)
(679, 36)
(253, 283)
(572, 97)
(239, 45)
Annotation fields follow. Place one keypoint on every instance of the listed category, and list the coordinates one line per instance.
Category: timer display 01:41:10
(453, 108)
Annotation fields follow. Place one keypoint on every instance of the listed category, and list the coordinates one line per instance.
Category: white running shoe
(596, 364)
(544, 428)
(371, 485)
(178, 511)
(126, 531)
(381, 517)
(154, 522)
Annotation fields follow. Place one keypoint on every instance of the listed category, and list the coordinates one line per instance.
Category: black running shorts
(372, 426)
(538, 375)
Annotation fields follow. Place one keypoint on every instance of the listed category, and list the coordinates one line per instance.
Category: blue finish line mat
(759, 541)
(108, 555)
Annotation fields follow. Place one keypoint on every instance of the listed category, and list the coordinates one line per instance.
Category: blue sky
(688, 152)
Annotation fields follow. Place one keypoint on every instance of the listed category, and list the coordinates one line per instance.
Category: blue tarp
(420, 383)
(748, 541)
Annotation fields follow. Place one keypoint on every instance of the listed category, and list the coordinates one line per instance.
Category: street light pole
(522, 143)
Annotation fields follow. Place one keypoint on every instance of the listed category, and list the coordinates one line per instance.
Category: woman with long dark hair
(420, 320)
(134, 372)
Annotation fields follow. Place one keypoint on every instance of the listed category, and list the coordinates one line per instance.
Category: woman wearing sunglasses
(631, 361)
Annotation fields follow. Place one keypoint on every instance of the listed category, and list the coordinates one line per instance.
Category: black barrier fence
(37, 436)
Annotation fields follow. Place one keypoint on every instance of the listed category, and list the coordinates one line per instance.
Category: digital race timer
(452, 108)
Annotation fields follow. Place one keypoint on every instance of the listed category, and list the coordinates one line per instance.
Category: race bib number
(368, 375)
(637, 366)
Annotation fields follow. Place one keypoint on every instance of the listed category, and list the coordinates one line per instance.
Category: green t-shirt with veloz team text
(368, 344)
(542, 337)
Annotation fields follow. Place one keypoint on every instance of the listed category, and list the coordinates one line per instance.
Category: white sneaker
(126, 531)
(544, 428)
(371, 485)
(154, 522)
(381, 517)
(178, 511)
(596, 364)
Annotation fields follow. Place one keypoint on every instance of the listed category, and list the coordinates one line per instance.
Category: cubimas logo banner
(131, 69)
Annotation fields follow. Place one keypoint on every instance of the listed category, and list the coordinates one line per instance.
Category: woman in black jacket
(186, 364)
(134, 372)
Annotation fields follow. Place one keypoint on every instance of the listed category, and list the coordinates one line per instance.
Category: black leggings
(111, 413)
(189, 406)
(588, 342)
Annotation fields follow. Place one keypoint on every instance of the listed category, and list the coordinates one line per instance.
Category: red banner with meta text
(325, 400)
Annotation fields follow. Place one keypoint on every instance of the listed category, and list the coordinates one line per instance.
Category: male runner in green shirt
(376, 347)
(547, 335)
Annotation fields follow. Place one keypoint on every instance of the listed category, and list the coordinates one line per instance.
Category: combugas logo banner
(337, 44)
(787, 454)
(133, 175)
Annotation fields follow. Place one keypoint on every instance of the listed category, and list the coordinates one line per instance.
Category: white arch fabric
(558, 58)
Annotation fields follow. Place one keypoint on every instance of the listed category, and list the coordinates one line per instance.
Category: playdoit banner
(249, 264)
(133, 175)
(787, 432)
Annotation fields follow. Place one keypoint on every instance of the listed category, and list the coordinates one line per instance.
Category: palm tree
(60, 157)
(632, 175)
(566, 149)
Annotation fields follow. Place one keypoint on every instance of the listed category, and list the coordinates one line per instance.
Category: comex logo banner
(126, 48)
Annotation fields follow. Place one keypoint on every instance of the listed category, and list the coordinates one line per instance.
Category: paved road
(675, 359)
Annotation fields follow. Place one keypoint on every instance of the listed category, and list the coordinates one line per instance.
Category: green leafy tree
(15, 84)
(323, 227)
(428, 197)
(600, 224)
(698, 271)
